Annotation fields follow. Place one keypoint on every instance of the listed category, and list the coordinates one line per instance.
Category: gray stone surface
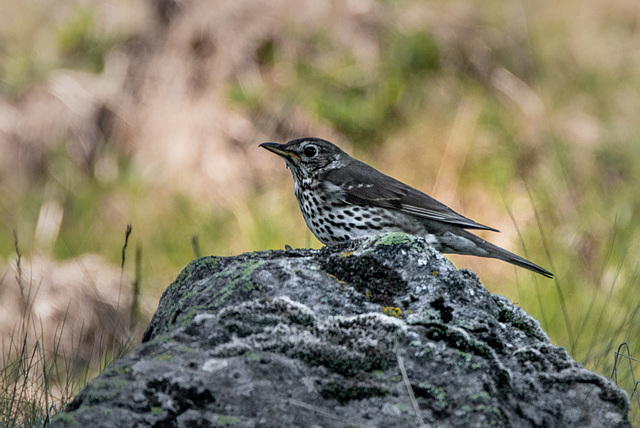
(320, 338)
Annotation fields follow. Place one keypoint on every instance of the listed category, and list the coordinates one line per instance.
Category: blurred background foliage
(519, 115)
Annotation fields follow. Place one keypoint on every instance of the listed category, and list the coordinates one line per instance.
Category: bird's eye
(310, 151)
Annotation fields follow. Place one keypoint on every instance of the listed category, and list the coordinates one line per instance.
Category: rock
(343, 336)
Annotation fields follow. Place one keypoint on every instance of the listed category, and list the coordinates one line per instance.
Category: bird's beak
(279, 150)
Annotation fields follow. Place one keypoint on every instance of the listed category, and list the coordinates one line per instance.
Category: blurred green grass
(560, 183)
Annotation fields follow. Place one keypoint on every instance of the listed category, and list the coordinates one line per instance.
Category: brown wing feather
(366, 185)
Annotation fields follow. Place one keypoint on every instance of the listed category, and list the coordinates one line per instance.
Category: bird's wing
(364, 185)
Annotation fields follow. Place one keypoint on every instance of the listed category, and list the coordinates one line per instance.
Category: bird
(342, 198)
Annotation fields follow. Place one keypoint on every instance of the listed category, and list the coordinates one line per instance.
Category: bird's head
(306, 157)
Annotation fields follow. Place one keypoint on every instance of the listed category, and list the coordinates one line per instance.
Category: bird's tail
(487, 249)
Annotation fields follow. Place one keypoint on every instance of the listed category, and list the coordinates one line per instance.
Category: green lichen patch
(119, 383)
(225, 420)
(393, 239)
(252, 356)
(486, 415)
(239, 280)
(430, 392)
(209, 273)
(184, 319)
(508, 316)
(195, 270)
(117, 370)
(164, 357)
(66, 419)
(163, 338)
(377, 373)
(95, 397)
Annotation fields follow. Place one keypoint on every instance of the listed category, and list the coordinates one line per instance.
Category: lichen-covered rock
(377, 332)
